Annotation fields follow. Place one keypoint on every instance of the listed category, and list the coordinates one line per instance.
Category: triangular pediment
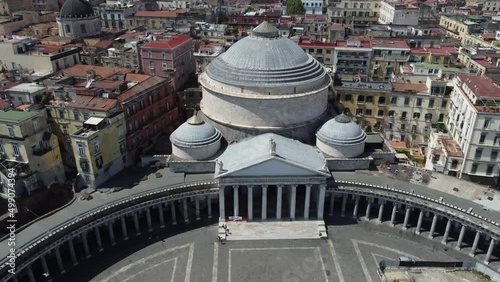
(275, 167)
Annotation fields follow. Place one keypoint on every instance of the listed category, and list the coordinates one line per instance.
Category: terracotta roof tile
(408, 87)
(481, 86)
(160, 14)
(176, 41)
(104, 72)
(141, 88)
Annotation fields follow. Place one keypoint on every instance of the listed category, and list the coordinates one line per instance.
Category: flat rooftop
(434, 275)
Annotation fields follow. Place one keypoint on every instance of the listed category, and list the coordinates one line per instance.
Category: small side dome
(195, 139)
(341, 137)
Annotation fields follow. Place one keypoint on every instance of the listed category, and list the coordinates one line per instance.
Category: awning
(94, 121)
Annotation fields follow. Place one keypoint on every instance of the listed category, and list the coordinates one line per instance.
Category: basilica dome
(195, 139)
(341, 137)
(265, 59)
(265, 83)
(76, 9)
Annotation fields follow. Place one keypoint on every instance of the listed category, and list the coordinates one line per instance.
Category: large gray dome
(195, 132)
(341, 130)
(76, 9)
(266, 59)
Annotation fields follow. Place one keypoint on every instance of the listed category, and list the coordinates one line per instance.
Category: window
(348, 97)
(380, 113)
(381, 100)
(65, 129)
(394, 100)
(150, 100)
(407, 100)
(368, 112)
(151, 65)
(391, 113)
(482, 138)
(142, 104)
(2, 150)
(454, 164)
(403, 115)
(98, 162)
(81, 148)
(369, 99)
(497, 141)
(76, 114)
(134, 108)
(163, 55)
(403, 127)
(83, 28)
(489, 169)
(428, 117)
(479, 152)
(67, 28)
(413, 128)
(150, 54)
(359, 112)
(361, 99)
(15, 148)
(473, 168)
(130, 127)
(431, 103)
(494, 155)
(444, 103)
(390, 125)
(85, 167)
(61, 114)
(416, 115)
(11, 130)
(486, 124)
(441, 118)
(95, 143)
(419, 102)
(36, 126)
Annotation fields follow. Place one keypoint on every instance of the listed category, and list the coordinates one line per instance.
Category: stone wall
(348, 164)
(192, 166)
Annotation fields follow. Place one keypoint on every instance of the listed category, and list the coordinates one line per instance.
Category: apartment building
(352, 59)
(474, 122)
(459, 26)
(388, 56)
(7, 7)
(24, 54)
(100, 146)
(114, 14)
(480, 61)
(172, 58)
(155, 19)
(205, 54)
(446, 56)
(414, 109)
(25, 93)
(323, 52)
(359, 13)
(491, 7)
(444, 154)
(313, 7)
(398, 13)
(366, 102)
(28, 145)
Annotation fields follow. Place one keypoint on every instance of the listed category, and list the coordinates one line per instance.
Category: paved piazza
(350, 254)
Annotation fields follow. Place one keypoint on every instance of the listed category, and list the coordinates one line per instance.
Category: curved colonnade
(117, 219)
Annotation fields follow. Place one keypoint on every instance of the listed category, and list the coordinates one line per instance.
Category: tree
(294, 7)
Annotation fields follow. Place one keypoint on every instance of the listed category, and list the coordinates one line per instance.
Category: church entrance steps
(275, 230)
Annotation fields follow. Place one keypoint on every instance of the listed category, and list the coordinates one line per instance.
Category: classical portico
(270, 177)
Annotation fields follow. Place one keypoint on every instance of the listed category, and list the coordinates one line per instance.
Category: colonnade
(105, 235)
(312, 192)
(405, 212)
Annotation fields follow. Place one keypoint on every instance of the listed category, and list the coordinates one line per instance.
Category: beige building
(7, 7)
(21, 19)
(27, 144)
(355, 12)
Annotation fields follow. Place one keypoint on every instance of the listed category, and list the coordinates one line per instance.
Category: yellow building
(100, 148)
(446, 56)
(154, 19)
(367, 103)
(454, 27)
(27, 144)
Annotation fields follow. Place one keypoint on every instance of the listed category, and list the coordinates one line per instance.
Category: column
(446, 232)
(236, 200)
(278, 202)
(307, 201)
(136, 224)
(356, 205)
(111, 233)
(98, 238)
(490, 251)
(332, 202)
(419, 223)
(321, 200)
(160, 215)
(293, 201)
(393, 215)
(368, 208)
(124, 228)
(461, 237)
(433, 226)
(407, 217)
(344, 203)
(45, 267)
(474, 245)
(250, 202)
(264, 202)
(59, 260)
(222, 213)
(148, 219)
(172, 210)
(72, 252)
(85, 245)
(197, 206)
(381, 212)
(185, 205)
(31, 276)
(209, 203)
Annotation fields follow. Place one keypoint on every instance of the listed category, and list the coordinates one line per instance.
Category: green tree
(294, 7)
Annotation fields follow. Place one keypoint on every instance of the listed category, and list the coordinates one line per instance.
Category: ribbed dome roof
(194, 132)
(341, 130)
(265, 59)
(76, 9)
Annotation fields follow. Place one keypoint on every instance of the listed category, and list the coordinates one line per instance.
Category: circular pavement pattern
(351, 253)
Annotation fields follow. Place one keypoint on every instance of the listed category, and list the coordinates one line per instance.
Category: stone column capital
(309, 185)
(250, 186)
(264, 186)
(236, 186)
